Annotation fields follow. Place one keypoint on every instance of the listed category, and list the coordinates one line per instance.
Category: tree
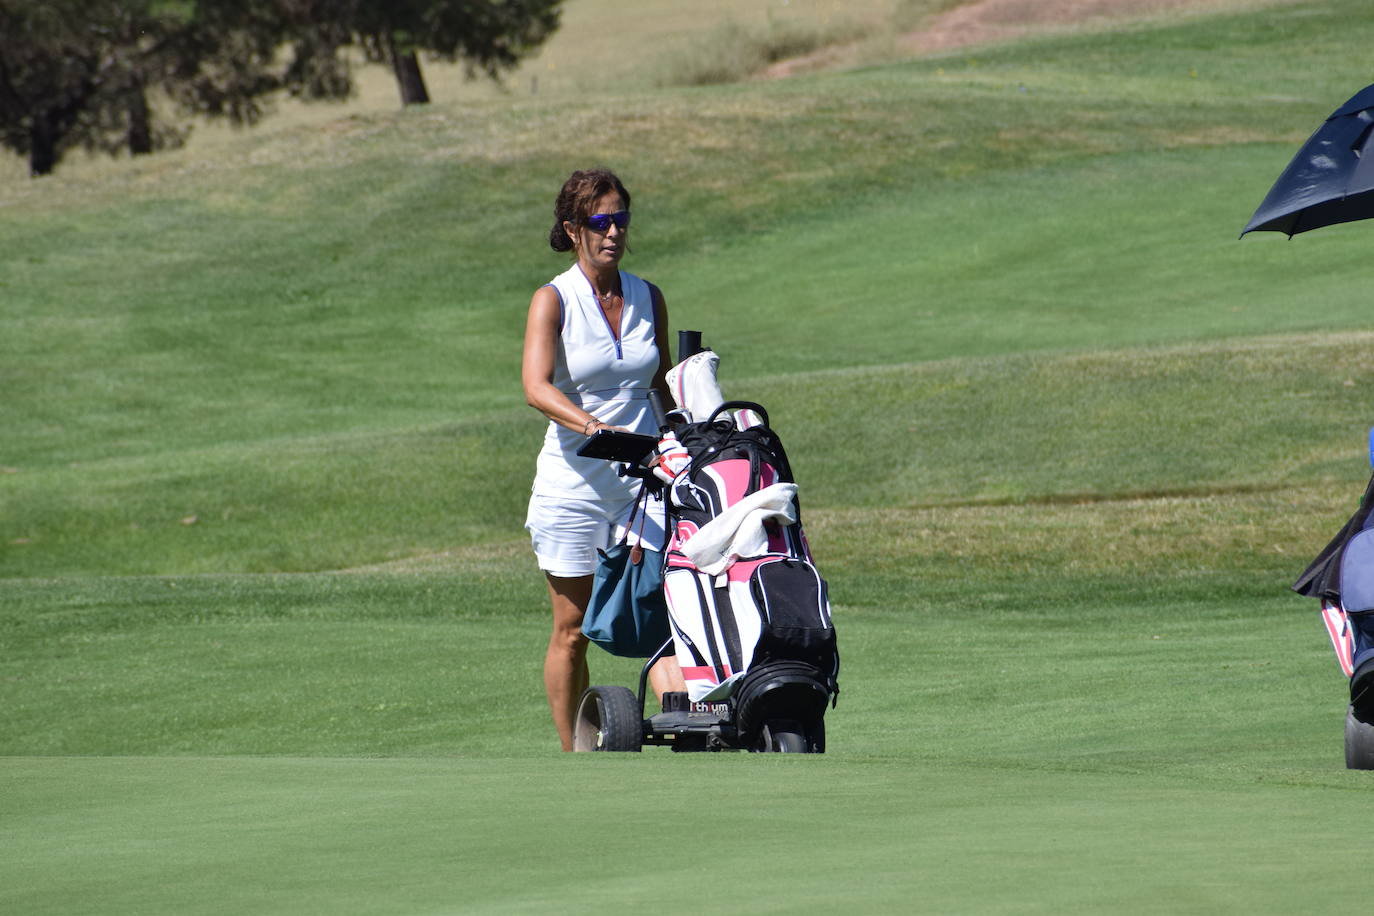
(81, 72)
(78, 72)
(490, 36)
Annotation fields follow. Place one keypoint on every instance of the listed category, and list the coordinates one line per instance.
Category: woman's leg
(565, 663)
(666, 676)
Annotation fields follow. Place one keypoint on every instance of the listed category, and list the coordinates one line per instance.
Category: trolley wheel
(1359, 741)
(781, 737)
(608, 719)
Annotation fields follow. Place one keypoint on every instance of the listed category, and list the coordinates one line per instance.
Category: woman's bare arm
(536, 367)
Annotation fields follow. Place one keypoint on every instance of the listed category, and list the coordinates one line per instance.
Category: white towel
(738, 531)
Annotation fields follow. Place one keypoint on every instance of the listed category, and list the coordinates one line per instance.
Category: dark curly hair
(580, 193)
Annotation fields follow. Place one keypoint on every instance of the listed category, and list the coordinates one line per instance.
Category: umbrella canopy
(1330, 180)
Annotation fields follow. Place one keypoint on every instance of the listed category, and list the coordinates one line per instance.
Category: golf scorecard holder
(618, 445)
(631, 449)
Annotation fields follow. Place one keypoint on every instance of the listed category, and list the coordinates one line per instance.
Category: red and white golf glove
(672, 458)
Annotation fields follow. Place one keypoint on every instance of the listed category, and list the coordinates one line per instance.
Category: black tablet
(617, 445)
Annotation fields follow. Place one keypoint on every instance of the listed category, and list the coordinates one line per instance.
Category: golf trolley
(776, 707)
(749, 615)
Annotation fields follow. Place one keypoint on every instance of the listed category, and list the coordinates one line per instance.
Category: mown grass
(988, 716)
(1027, 429)
(270, 633)
(928, 840)
(428, 659)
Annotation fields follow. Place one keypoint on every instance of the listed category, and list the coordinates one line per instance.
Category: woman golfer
(595, 344)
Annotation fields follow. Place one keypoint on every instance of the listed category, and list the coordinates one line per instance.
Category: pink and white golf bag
(749, 612)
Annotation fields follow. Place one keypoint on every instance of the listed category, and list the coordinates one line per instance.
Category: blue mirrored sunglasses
(601, 222)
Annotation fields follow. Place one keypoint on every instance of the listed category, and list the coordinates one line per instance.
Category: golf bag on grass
(742, 590)
(749, 611)
(1342, 579)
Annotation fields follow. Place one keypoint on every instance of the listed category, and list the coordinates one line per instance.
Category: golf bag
(749, 611)
(1342, 579)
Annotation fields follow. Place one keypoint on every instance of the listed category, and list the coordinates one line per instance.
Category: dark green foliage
(486, 36)
(80, 73)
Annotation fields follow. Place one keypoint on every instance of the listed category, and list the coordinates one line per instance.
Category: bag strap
(634, 510)
(641, 508)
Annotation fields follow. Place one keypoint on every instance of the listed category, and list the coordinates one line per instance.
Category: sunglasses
(601, 222)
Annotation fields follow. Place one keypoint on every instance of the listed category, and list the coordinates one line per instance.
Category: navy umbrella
(1330, 180)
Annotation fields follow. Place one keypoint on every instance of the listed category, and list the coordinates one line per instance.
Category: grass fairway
(270, 634)
(312, 835)
(1160, 753)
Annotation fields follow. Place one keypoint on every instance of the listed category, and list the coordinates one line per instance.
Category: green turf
(270, 633)
(435, 836)
(1011, 751)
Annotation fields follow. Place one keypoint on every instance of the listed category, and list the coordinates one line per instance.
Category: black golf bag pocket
(794, 607)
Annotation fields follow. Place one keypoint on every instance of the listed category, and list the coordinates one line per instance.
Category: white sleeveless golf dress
(607, 376)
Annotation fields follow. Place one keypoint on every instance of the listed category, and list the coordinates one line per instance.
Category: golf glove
(672, 458)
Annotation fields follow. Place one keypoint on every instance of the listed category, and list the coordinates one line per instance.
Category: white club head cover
(694, 386)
